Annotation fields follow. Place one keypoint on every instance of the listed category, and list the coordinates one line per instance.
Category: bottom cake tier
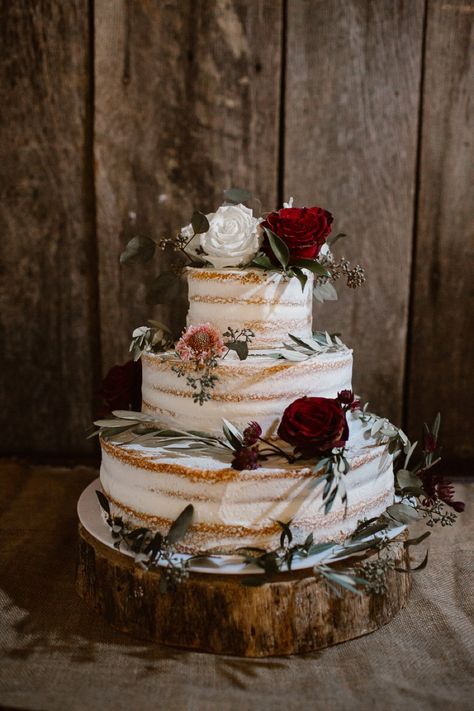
(233, 509)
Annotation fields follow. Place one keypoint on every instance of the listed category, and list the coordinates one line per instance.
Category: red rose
(314, 425)
(303, 229)
(122, 388)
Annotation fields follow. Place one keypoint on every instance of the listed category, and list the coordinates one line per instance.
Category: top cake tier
(269, 304)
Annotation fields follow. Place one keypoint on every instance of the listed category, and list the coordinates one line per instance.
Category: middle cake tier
(258, 388)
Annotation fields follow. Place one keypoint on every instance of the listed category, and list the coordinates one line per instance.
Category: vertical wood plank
(187, 104)
(442, 344)
(48, 324)
(351, 114)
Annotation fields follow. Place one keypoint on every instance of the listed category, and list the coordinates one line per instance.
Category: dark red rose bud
(251, 434)
(430, 442)
(314, 425)
(437, 488)
(121, 388)
(348, 400)
(303, 229)
(245, 458)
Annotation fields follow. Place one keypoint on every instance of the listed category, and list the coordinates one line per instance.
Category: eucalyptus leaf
(235, 431)
(237, 195)
(292, 355)
(139, 248)
(240, 347)
(103, 501)
(179, 527)
(262, 261)
(332, 239)
(301, 276)
(199, 222)
(113, 424)
(325, 292)
(408, 480)
(311, 265)
(403, 513)
(131, 415)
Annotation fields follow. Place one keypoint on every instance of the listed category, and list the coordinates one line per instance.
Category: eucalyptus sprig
(238, 340)
(155, 338)
(202, 380)
(334, 468)
(150, 549)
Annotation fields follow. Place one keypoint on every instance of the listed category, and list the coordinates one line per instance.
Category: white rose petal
(232, 238)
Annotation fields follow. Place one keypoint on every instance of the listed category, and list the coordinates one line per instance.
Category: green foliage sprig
(152, 548)
(155, 338)
(238, 341)
(202, 381)
(282, 254)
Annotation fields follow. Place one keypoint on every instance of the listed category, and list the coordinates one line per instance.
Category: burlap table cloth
(56, 654)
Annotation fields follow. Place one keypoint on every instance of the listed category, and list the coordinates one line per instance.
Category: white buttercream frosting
(270, 304)
(239, 508)
(258, 388)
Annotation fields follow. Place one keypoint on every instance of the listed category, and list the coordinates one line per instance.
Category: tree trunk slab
(293, 614)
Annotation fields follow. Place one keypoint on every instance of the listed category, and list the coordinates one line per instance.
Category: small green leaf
(301, 276)
(325, 292)
(320, 547)
(311, 265)
(409, 480)
(262, 262)
(103, 501)
(286, 533)
(240, 347)
(138, 249)
(178, 528)
(237, 195)
(232, 434)
(403, 513)
(332, 239)
(279, 247)
(199, 222)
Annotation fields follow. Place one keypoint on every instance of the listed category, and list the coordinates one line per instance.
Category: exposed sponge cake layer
(258, 388)
(150, 487)
(270, 304)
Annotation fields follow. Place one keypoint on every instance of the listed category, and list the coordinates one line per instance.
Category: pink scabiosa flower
(200, 343)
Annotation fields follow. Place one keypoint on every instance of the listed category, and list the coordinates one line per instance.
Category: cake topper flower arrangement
(292, 241)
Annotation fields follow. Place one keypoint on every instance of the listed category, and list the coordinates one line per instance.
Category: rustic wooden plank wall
(441, 352)
(48, 293)
(152, 108)
(187, 104)
(351, 120)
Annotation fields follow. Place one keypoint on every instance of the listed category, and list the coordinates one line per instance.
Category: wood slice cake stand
(215, 613)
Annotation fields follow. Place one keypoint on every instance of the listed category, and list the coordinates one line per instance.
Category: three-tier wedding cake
(249, 417)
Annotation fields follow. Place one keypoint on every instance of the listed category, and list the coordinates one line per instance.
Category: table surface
(57, 654)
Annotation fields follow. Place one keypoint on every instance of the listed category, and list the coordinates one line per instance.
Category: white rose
(232, 238)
